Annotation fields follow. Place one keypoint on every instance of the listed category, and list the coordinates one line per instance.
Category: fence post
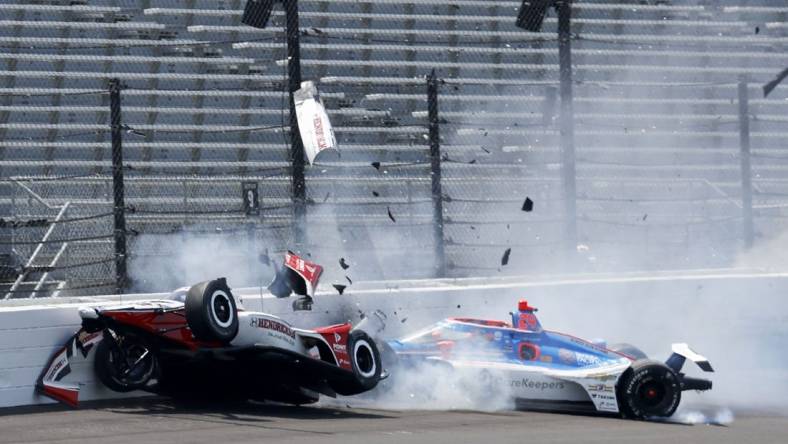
(744, 155)
(119, 208)
(564, 8)
(435, 174)
(296, 145)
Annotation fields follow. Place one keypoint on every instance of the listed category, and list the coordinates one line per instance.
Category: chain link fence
(654, 177)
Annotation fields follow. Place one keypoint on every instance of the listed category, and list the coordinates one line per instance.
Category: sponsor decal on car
(537, 385)
(584, 359)
(567, 356)
(268, 324)
(600, 388)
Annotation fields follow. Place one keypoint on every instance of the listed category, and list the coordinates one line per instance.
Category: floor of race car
(161, 421)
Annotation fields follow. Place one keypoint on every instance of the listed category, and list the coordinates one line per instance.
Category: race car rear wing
(296, 275)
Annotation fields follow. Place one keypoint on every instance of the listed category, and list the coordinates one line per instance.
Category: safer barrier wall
(661, 308)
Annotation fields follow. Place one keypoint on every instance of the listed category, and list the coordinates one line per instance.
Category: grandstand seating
(656, 132)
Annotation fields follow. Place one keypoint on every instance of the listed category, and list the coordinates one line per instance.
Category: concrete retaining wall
(657, 309)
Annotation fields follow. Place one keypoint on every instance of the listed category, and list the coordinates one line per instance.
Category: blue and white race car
(542, 369)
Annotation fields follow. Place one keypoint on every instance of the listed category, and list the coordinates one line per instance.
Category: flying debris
(645, 216)
(403, 320)
(376, 194)
(391, 216)
(264, 259)
(349, 280)
(505, 258)
(340, 288)
(343, 264)
(376, 165)
(472, 162)
(528, 205)
(327, 196)
(485, 150)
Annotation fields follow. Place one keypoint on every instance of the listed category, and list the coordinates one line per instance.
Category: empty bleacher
(204, 108)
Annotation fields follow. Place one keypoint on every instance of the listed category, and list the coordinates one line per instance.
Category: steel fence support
(744, 156)
(296, 145)
(564, 8)
(119, 206)
(435, 174)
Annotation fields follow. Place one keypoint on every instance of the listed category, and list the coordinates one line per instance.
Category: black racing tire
(211, 311)
(367, 366)
(648, 389)
(125, 375)
(629, 350)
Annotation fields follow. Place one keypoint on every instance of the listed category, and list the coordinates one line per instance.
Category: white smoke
(166, 262)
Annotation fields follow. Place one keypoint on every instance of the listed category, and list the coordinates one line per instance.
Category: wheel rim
(651, 393)
(222, 309)
(132, 365)
(364, 359)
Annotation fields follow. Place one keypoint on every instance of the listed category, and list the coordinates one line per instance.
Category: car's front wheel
(128, 364)
(366, 359)
(649, 389)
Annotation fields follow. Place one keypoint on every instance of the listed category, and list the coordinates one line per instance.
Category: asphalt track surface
(161, 421)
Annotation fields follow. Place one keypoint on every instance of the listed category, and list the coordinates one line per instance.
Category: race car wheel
(211, 311)
(128, 364)
(366, 359)
(649, 389)
(629, 350)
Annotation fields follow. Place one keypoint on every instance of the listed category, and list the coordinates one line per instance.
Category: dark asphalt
(164, 422)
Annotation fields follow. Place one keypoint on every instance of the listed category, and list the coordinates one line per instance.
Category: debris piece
(403, 320)
(391, 216)
(528, 205)
(376, 194)
(472, 162)
(343, 264)
(505, 258)
(264, 258)
(327, 196)
(458, 305)
(349, 281)
(376, 165)
(486, 150)
(340, 288)
(645, 216)
(757, 30)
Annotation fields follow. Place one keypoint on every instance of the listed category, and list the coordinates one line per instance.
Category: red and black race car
(201, 343)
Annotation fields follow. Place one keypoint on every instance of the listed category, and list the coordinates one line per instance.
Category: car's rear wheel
(648, 389)
(211, 311)
(128, 364)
